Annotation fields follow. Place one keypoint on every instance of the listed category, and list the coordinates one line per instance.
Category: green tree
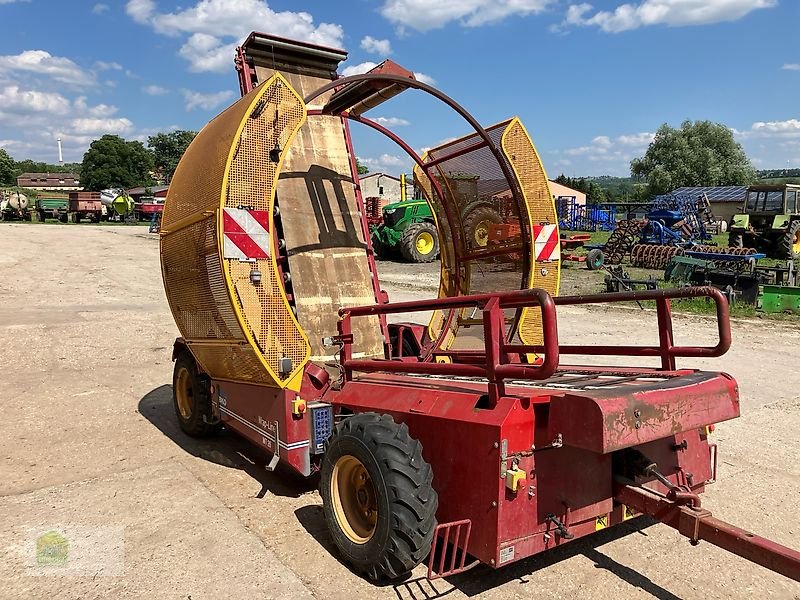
(7, 169)
(114, 162)
(167, 149)
(699, 153)
(32, 166)
(362, 169)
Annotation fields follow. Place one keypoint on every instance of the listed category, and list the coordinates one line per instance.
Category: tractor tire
(595, 259)
(380, 249)
(735, 239)
(788, 246)
(377, 496)
(420, 242)
(191, 396)
(476, 226)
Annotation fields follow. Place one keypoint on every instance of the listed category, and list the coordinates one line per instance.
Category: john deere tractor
(409, 227)
(770, 221)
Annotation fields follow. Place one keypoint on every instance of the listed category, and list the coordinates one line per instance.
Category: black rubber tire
(200, 422)
(735, 239)
(482, 214)
(379, 248)
(595, 259)
(403, 483)
(408, 242)
(785, 243)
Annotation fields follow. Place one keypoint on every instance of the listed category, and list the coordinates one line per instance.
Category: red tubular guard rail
(496, 366)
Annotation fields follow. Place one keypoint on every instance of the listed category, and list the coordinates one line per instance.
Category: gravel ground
(89, 447)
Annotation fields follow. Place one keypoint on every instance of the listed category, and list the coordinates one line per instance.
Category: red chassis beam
(697, 524)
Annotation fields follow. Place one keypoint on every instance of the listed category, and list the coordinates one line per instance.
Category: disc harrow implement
(651, 256)
(622, 240)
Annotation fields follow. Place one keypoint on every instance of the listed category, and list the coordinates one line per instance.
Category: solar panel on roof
(724, 193)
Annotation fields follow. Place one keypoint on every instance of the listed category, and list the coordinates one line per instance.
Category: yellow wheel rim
(424, 243)
(481, 234)
(355, 503)
(183, 392)
(796, 243)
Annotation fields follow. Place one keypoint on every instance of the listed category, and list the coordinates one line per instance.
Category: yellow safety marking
(601, 522)
(627, 513)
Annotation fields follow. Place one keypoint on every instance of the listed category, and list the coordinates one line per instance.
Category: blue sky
(591, 81)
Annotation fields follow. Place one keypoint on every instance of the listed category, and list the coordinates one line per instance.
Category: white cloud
(424, 15)
(99, 127)
(673, 13)
(424, 78)
(376, 46)
(140, 10)
(100, 8)
(12, 1)
(205, 101)
(102, 65)
(39, 63)
(15, 101)
(358, 69)
(155, 90)
(613, 153)
(215, 27)
(790, 128)
(385, 162)
(791, 67)
(391, 121)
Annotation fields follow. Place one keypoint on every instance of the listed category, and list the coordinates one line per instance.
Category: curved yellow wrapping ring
(237, 327)
(535, 207)
(529, 171)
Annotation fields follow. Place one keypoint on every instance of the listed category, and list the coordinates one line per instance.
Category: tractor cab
(770, 221)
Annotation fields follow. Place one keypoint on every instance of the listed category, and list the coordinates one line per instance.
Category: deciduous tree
(112, 162)
(699, 153)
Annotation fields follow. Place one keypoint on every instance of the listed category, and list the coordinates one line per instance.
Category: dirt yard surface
(89, 447)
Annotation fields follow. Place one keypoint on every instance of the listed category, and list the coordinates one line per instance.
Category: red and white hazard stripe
(246, 234)
(546, 244)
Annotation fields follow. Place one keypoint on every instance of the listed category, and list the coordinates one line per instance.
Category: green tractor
(409, 227)
(770, 222)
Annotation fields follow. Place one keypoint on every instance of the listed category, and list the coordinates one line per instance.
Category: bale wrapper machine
(464, 441)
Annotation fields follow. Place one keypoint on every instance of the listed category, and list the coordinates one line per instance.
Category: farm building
(384, 186)
(155, 191)
(562, 193)
(726, 200)
(50, 182)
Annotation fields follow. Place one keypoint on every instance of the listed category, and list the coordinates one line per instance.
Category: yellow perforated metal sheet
(325, 245)
(521, 153)
(236, 329)
(474, 182)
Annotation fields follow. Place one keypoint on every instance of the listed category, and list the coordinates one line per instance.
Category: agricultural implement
(770, 221)
(465, 441)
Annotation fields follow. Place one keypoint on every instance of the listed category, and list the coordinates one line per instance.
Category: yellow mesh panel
(521, 153)
(236, 330)
(251, 183)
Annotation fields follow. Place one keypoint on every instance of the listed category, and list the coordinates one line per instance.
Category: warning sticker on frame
(506, 554)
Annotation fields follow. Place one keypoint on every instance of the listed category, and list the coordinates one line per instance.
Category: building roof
(154, 189)
(559, 189)
(368, 175)
(720, 193)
